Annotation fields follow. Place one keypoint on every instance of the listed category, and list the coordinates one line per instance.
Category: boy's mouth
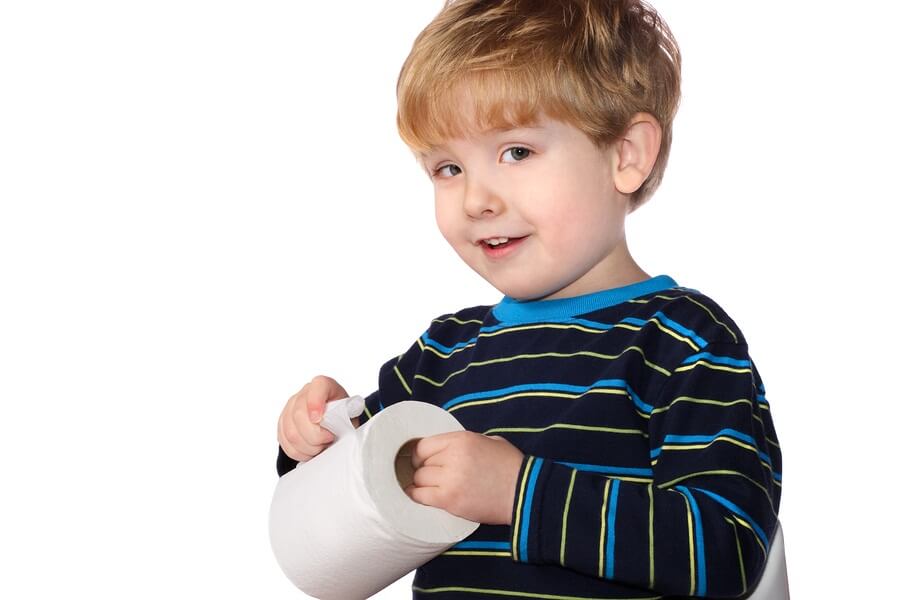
(496, 242)
(500, 246)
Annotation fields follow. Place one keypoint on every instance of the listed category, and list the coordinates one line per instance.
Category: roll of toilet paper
(341, 526)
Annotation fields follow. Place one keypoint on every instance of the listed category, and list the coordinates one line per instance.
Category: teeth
(497, 241)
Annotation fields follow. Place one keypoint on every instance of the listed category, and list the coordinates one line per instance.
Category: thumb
(315, 408)
(322, 389)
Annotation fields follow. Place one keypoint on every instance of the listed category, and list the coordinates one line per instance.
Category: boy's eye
(517, 153)
(439, 172)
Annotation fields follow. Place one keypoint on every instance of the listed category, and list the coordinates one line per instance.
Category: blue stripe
(681, 329)
(526, 517)
(701, 549)
(589, 324)
(426, 339)
(738, 511)
(640, 404)
(761, 399)
(429, 341)
(531, 311)
(532, 387)
(698, 340)
(551, 387)
(692, 439)
(483, 545)
(695, 439)
(611, 530)
(566, 321)
(634, 321)
(719, 360)
(610, 470)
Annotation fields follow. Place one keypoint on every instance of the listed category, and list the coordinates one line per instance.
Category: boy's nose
(481, 201)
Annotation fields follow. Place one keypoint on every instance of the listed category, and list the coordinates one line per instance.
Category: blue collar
(530, 311)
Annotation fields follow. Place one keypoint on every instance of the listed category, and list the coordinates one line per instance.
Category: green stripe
(713, 317)
(563, 326)
(737, 542)
(456, 320)
(506, 359)
(603, 527)
(562, 544)
(518, 516)
(403, 381)
(765, 491)
(518, 594)
(566, 426)
(545, 394)
(713, 366)
(689, 519)
(692, 400)
(652, 565)
(748, 527)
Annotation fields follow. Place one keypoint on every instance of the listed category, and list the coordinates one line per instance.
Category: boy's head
(593, 64)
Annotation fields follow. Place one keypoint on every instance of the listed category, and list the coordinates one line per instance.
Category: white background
(204, 204)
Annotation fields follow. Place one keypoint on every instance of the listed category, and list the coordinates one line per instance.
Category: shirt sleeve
(703, 526)
(394, 385)
(395, 382)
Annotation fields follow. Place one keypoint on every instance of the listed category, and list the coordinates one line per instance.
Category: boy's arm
(701, 524)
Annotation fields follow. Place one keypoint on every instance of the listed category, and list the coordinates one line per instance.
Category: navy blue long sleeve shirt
(652, 467)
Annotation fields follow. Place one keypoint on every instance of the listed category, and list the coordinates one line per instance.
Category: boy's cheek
(446, 226)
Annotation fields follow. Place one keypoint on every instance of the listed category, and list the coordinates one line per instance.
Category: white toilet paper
(341, 526)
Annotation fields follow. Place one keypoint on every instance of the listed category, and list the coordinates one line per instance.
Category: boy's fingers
(315, 406)
(282, 439)
(299, 433)
(284, 420)
(427, 477)
(327, 388)
(301, 449)
(422, 495)
(322, 389)
(313, 434)
(300, 437)
(290, 442)
(426, 449)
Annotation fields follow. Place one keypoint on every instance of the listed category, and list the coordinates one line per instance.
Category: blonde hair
(591, 63)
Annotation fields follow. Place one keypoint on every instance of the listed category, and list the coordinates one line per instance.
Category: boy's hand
(468, 474)
(299, 432)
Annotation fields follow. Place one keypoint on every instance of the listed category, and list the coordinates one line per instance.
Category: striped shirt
(651, 468)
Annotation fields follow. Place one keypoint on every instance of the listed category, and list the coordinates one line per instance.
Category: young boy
(618, 443)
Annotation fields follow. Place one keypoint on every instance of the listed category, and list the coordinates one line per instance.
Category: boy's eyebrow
(491, 131)
(506, 129)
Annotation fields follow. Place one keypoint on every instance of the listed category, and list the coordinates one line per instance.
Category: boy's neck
(618, 269)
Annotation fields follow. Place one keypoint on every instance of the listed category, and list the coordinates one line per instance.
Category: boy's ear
(636, 152)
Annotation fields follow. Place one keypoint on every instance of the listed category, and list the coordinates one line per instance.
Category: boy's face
(550, 192)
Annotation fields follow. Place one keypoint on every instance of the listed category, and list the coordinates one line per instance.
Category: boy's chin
(522, 293)
(521, 289)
